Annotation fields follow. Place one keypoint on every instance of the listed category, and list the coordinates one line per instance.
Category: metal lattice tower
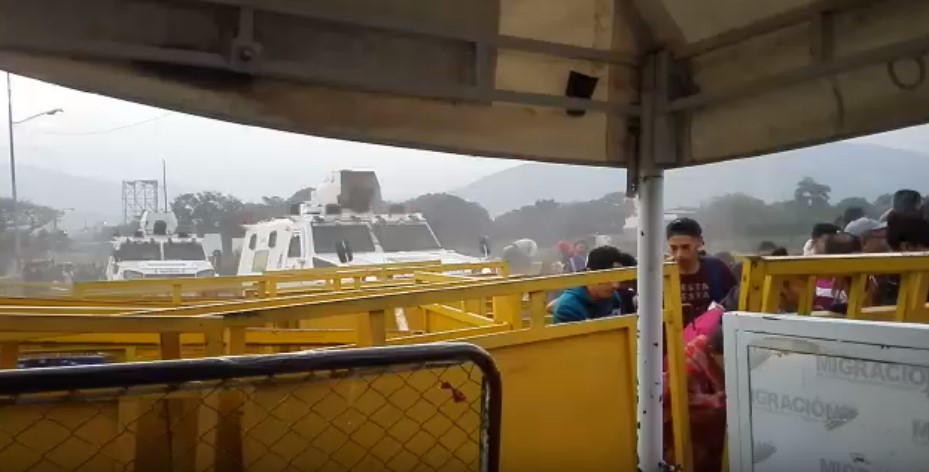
(139, 196)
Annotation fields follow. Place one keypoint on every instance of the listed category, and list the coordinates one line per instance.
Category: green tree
(738, 214)
(31, 216)
(548, 221)
(35, 239)
(883, 203)
(812, 194)
(856, 202)
(301, 195)
(207, 212)
(458, 223)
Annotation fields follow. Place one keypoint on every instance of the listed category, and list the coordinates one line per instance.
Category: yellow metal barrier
(312, 333)
(764, 278)
(15, 328)
(269, 284)
(17, 288)
(558, 370)
(401, 411)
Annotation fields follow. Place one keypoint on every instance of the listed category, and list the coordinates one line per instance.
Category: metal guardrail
(424, 407)
(269, 284)
(764, 279)
(232, 328)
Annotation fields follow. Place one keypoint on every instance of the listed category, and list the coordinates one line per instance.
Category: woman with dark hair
(706, 399)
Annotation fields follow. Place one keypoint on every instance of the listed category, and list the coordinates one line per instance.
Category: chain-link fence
(431, 407)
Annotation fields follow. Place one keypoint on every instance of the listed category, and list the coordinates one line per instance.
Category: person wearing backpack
(704, 279)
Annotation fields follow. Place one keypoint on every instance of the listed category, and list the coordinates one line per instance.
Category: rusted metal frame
(303, 73)
(768, 25)
(912, 47)
(313, 11)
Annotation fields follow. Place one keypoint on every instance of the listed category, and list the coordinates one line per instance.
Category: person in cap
(592, 301)
(871, 233)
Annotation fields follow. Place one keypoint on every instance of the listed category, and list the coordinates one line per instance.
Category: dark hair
(684, 227)
(851, 214)
(779, 251)
(627, 260)
(604, 257)
(906, 201)
(824, 229)
(903, 228)
(842, 243)
(766, 246)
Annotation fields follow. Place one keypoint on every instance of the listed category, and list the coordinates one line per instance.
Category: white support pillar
(650, 283)
(656, 150)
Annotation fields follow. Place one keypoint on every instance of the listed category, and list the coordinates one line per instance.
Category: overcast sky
(208, 154)
(115, 140)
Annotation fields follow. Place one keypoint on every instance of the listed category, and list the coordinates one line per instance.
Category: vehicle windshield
(138, 251)
(184, 251)
(358, 237)
(406, 237)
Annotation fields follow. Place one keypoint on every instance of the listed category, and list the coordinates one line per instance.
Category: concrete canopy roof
(548, 80)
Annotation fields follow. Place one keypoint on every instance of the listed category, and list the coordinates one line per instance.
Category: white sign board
(826, 395)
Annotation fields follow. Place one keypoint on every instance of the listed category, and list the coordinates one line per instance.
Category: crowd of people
(710, 287)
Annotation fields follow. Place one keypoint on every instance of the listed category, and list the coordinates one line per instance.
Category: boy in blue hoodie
(592, 301)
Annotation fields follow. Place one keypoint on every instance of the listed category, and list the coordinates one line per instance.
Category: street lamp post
(17, 263)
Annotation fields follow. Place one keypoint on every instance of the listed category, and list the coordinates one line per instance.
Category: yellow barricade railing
(765, 280)
(230, 327)
(13, 328)
(269, 284)
(10, 287)
(372, 313)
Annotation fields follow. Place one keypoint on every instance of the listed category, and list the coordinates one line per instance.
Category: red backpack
(704, 324)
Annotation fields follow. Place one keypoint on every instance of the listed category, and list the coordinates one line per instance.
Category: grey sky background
(248, 162)
(204, 154)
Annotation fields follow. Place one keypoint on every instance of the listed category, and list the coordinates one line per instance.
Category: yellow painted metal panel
(580, 394)
(455, 317)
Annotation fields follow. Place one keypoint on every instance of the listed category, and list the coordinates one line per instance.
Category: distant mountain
(88, 201)
(93, 200)
(851, 169)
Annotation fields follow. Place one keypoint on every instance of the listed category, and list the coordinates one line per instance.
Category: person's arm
(703, 406)
(568, 313)
(550, 308)
(728, 279)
